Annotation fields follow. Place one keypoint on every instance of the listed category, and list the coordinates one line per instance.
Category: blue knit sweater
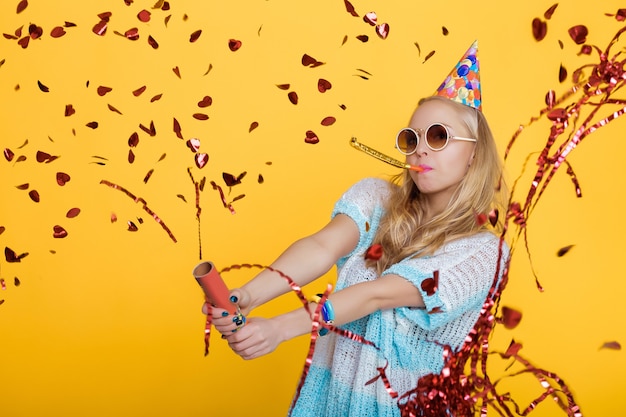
(410, 340)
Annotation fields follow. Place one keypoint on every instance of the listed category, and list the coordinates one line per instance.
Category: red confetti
(611, 345)
(42, 87)
(59, 232)
(283, 86)
(100, 28)
(143, 16)
(562, 74)
(133, 140)
(57, 32)
(510, 317)
(493, 217)
(564, 250)
(176, 71)
(205, 102)
(550, 99)
(293, 97)
(73, 212)
(200, 116)
(22, 186)
(323, 85)
(311, 137)
(23, 4)
(92, 125)
(35, 31)
(445, 31)
(8, 154)
(430, 285)
(131, 156)
(11, 256)
(113, 109)
(548, 13)
(45, 157)
(177, 129)
(540, 29)
(132, 34)
(139, 91)
(105, 16)
(62, 178)
(149, 130)
(2, 229)
(156, 98)
(620, 16)
(148, 175)
(34, 195)
(370, 18)
(578, 34)
(153, 43)
(481, 218)
(24, 42)
(363, 38)
(430, 54)
(260, 180)
(193, 144)
(234, 44)
(350, 8)
(201, 159)
(132, 227)
(194, 36)
(374, 252)
(327, 121)
(382, 30)
(69, 110)
(102, 90)
(231, 180)
(253, 126)
(309, 61)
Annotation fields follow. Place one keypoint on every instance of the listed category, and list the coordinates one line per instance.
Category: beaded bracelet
(328, 313)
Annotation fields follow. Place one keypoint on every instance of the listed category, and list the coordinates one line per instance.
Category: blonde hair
(404, 232)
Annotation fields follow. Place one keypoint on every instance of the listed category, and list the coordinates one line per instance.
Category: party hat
(463, 83)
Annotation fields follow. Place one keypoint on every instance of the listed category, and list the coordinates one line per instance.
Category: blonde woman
(423, 292)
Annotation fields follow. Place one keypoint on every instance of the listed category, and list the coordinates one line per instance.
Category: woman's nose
(422, 148)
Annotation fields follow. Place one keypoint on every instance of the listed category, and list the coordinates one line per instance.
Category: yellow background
(107, 321)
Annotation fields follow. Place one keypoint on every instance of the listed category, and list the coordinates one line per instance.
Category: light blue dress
(410, 340)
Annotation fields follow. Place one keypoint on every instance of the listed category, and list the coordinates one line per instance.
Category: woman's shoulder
(371, 186)
(364, 199)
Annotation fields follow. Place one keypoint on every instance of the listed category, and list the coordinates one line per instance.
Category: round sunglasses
(436, 137)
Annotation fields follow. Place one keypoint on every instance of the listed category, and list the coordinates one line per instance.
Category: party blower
(215, 290)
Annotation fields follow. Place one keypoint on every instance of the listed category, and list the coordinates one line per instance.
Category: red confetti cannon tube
(215, 290)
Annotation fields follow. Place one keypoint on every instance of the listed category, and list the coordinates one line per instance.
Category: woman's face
(444, 169)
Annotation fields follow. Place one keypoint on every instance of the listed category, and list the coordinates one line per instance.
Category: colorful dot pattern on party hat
(463, 83)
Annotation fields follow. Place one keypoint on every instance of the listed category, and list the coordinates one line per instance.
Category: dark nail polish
(233, 299)
(224, 313)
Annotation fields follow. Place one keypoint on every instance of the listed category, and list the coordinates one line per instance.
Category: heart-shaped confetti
(201, 159)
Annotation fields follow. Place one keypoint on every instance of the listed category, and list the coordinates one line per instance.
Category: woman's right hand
(225, 322)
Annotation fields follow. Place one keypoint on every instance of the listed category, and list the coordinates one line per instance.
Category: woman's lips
(424, 168)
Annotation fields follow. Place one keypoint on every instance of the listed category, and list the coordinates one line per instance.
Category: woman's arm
(261, 336)
(304, 261)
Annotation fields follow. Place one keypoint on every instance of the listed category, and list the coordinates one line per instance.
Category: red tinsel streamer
(144, 206)
(198, 211)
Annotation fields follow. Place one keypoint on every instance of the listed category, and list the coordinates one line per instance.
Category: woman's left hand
(258, 337)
